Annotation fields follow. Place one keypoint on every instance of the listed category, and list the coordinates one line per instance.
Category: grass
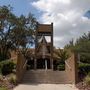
(2, 88)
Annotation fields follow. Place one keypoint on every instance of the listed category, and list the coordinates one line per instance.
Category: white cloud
(67, 16)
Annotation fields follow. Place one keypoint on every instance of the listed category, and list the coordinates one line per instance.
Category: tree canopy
(81, 46)
(15, 32)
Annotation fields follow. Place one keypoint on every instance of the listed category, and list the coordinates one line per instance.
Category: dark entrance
(30, 64)
(43, 64)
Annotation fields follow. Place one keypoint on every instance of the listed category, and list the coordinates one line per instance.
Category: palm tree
(61, 55)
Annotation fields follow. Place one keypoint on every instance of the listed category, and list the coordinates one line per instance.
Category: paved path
(45, 87)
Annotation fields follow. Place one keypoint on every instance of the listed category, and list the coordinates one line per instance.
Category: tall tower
(43, 48)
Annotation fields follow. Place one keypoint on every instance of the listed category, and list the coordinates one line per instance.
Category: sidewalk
(46, 87)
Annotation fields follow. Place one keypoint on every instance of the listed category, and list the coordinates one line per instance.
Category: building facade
(44, 48)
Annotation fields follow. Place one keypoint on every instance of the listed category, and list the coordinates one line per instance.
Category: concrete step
(45, 76)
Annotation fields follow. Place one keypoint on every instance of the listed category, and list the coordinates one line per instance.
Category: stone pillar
(51, 63)
(35, 63)
(52, 46)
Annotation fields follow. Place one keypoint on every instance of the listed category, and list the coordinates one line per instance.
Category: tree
(82, 46)
(70, 45)
(15, 32)
(6, 23)
(23, 33)
(61, 55)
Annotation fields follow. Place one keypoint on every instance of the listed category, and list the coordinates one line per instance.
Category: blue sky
(87, 14)
(21, 7)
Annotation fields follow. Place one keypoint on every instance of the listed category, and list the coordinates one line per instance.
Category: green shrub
(12, 79)
(84, 68)
(6, 67)
(61, 67)
(87, 79)
(1, 78)
(85, 57)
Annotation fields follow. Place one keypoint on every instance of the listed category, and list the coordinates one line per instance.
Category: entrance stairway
(45, 76)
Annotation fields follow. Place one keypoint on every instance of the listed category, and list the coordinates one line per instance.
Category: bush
(84, 68)
(87, 79)
(12, 79)
(6, 67)
(85, 57)
(61, 67)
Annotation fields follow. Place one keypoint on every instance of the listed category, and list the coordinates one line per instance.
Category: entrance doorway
(43, 64)
(30, 64)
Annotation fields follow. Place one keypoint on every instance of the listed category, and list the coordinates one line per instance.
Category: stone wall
(70, 75)
(21, 67)
(71, 68)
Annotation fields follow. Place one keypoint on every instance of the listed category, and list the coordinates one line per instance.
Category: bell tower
(43, 47)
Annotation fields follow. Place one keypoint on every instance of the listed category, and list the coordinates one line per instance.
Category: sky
(71, 18)
(21, 7)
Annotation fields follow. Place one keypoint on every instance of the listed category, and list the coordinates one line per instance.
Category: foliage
(61, 67)
(81, 46)
(84, 68)
(60, 56)
(6, 24)
(15, 32)
(12, 79)
(87, 79)
(8, 82)
(6, 67)
(85, 57)
(23, 33)
(2, 88)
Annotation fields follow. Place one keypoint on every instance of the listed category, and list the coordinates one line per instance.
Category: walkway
(45, 87)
